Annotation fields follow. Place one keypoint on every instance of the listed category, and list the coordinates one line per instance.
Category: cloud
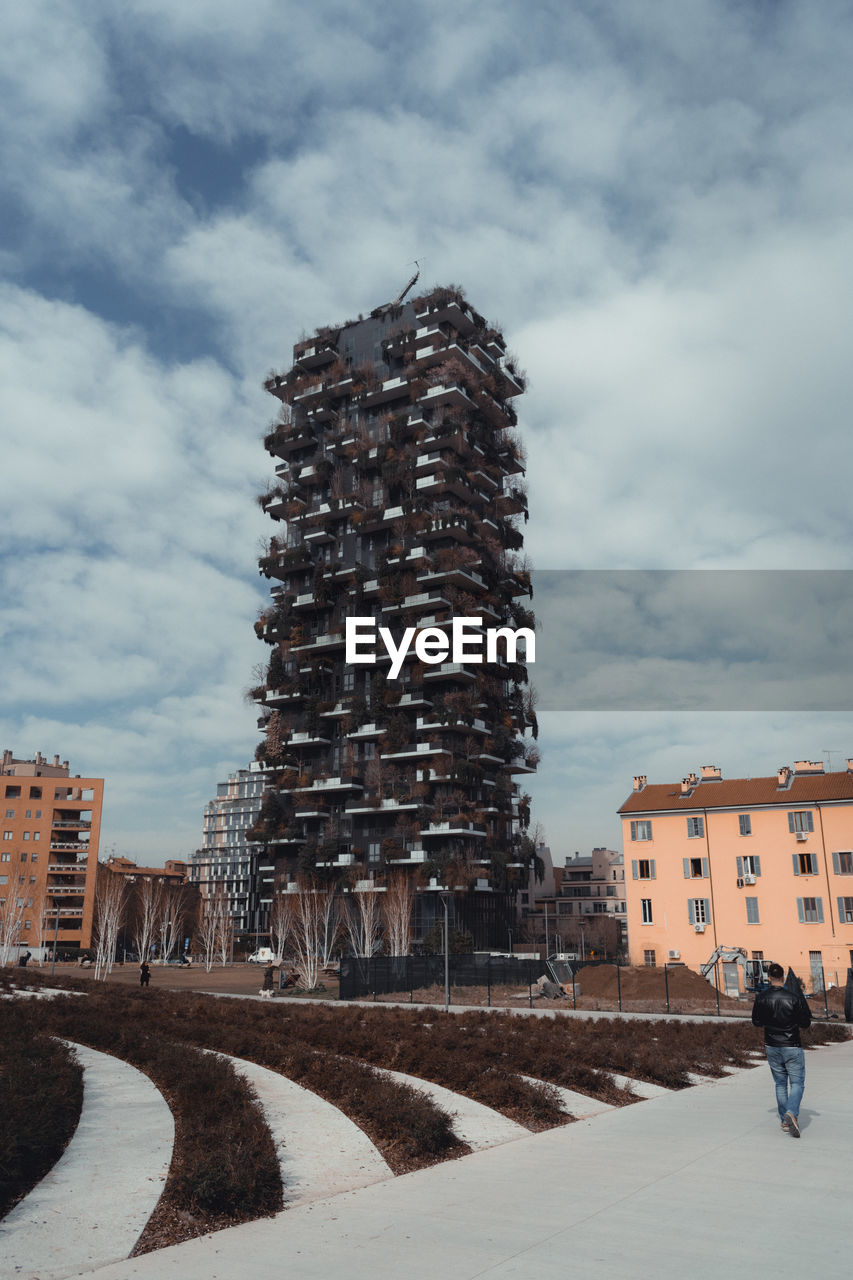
(650, 200)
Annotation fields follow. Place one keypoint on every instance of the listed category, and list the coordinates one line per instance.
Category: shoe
(793, 1127)
(786, 1128)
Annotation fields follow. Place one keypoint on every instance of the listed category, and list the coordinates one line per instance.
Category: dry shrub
(42, 1090)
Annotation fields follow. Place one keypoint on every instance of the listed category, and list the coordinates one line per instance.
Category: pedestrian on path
(782, 1013)
(266, 989)
(144, 974)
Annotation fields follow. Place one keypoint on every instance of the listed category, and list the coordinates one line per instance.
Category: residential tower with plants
(399, 497)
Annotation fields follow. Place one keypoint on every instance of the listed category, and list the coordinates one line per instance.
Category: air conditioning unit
(749, 879)
(802, 836)
(675, 955)
(700, 928)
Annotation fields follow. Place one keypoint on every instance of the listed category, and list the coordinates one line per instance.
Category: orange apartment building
(48, 855)
(761, 864)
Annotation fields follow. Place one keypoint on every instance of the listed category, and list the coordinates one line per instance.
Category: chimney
(692, 778)
(56, 762)
(849, 765)
(808, 766)
(687, 785)
(783, 777)
(712, 773)
(639, 781)
(39, 758)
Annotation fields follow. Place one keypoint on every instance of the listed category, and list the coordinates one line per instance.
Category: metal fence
(383, 975)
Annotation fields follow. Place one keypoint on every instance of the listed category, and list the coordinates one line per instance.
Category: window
(349, 681)
(7, 835)
(13, 793)
(646, 905)
(845, 909)
(695, 827)
(643, 868)
(23, 857)
(641, 830)
(744, 821)
(4, 857)
(810, 910)
(805, 864)
(842, 864)
(649, 959)
(10, 813)
(800, 820)
(38, 813)
(758, 955)
(750, 865)
(599, 908)
(26, 835)
(373, 851)
(37, 835)
(35, 793)
(4, 879)
(699, 910)
(752, 911)
(695, 868)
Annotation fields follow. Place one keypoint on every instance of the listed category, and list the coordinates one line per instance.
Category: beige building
(761, 864)
(48, 855)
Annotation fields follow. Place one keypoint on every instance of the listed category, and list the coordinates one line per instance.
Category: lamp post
(55, 937)
(444, 902)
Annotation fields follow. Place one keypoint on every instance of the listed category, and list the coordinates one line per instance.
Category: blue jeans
(788, 1064)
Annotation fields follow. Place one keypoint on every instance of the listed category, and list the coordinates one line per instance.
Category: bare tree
(206, 932)
(149, 897)
(307, 931)
(397, 914)
(330, 923)
(224, 932)
(281, 922)
(11, 923)
(363, 921)
(110, 901)
(172, 911)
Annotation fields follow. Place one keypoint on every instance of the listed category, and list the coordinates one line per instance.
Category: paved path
(91, 1208)
(321, 1151)
(699, 1183)
(474, 1123)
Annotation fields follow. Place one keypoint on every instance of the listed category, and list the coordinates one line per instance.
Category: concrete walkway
(92, 1206)
(321, 1151)
(473, 1123)
(699, 1183)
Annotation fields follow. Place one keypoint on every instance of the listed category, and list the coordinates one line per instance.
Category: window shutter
(813, 863)
(809, 822)
(691, 914)
(796, 859)
(791, 824)
(819, 905)
(841, 912)
(686, 864)
(756, 862)
(836, 865)
(651, 868)
(800, 911)
(740, 868)
(634, 869)
(707, 902)
(705, 871)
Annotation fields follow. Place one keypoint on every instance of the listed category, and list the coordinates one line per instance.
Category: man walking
(782, 1013)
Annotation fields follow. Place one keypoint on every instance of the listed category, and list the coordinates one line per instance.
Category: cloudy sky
(653, 200)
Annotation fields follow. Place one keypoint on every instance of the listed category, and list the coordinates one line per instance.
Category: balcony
(450, 394)
(415, 750)
(455, 313)
(455, 827)
(322, 785)
(383, 806)
(449, 671)
(316, 355)
(72, 846)
(391, 389)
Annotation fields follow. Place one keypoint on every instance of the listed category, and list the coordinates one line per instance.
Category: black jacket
(781, 1013)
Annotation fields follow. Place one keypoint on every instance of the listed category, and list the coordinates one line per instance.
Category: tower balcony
(321, 786)
(390, 389)
(416, 751)
(456, 827)
(316, 354)
(450, 394)
(466, 578)
(457, 314)
(383, 806)
(450, 671)
(320, 644)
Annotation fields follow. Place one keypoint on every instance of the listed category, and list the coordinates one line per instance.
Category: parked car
(263, 955)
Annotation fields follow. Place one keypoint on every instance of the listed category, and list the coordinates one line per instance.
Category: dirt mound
(644, 983)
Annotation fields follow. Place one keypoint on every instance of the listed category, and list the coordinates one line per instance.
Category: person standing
(144, 974)
(782, 1014)
(266, 989)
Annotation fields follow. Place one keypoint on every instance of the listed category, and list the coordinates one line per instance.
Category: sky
(653, 202)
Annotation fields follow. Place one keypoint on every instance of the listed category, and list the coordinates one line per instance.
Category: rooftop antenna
(413, 281)
(829, 754)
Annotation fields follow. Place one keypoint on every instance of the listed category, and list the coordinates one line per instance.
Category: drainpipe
(710, 878)
(826, 871)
